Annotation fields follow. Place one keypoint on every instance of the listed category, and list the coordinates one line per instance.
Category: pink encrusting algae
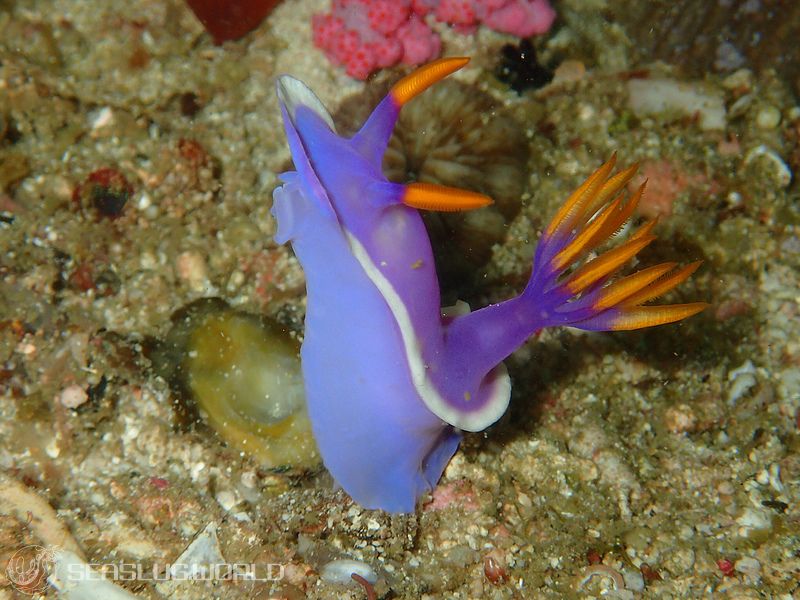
(367, 35)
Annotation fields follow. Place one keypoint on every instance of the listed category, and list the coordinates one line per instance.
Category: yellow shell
(243, 373)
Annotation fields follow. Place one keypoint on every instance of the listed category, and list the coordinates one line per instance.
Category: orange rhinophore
(420, 80)
(429, 196)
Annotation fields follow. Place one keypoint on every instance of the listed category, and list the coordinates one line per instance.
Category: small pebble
(144, 201)
(680, 419)
(249, 479)
(768, 117)
(26, 348)
(762, 477)
(749, 567)
(101, 117)
(235, 281)
(569, 71)
(226, 499)
(741, 79)
(634, 580)
(494, 568)
(191, 268)
(741, 106)
(775, 477)
(726, 488)
(73, 396)
(754, 523)
(779, 171)
(653, 97)
(742, 379)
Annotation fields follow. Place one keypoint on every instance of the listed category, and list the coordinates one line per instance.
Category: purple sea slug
(391, 379)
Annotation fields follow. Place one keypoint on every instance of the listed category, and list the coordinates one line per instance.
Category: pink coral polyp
(457, 12)
(522, 18)
(420, 44)
(366, 35)
(386, 16)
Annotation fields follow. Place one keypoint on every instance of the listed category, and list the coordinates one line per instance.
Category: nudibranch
(391, 379)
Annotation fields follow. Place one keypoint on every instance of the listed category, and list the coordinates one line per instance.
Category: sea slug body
(391, 382)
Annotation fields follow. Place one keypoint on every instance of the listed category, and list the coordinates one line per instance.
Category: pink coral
(367, 35)
(522, 18)
(459, 13)
(420, 44)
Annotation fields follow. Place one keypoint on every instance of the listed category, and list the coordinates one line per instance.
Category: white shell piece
(76, 580)
(339, 571)
(781, 171)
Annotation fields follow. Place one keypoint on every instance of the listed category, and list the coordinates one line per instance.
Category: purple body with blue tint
(373, 310)
(390, 382)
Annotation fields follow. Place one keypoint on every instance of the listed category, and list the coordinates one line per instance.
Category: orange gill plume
(591, 215)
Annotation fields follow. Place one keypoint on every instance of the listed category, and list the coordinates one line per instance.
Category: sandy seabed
(661, 463)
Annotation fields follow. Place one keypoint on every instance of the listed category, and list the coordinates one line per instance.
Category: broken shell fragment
(242, 373)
